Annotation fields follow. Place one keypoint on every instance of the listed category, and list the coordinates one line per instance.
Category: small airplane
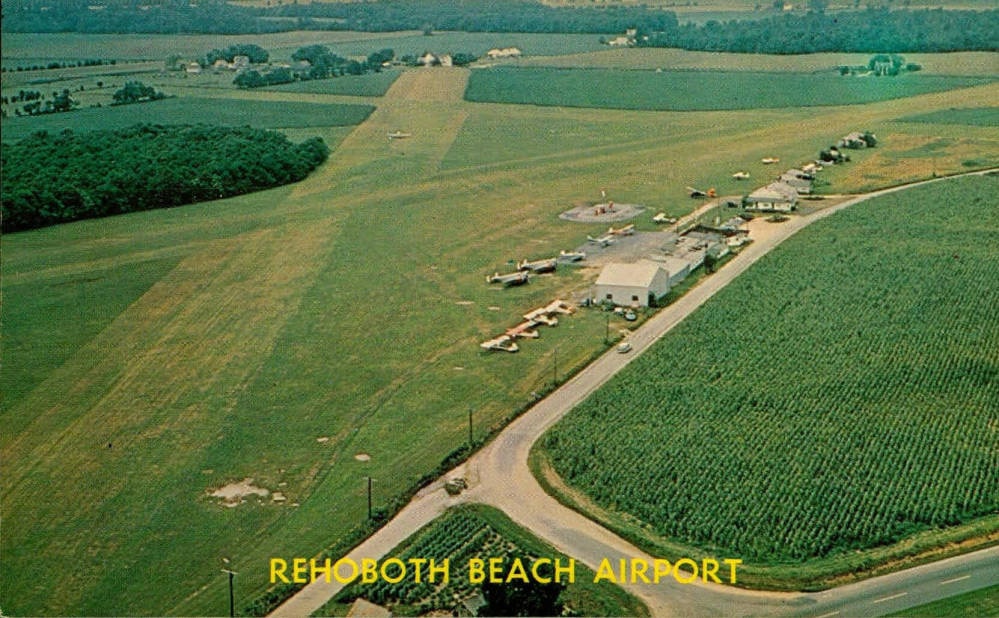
(627, 230)
(698, 193)
(524, 331)
(662, 218)
(769, 160)
(571, 256)
(503, 343)
(508, 280)
(399, 135)
(538, 266)
(740, 175)
(603, 241)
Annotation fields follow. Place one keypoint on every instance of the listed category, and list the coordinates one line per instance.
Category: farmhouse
(506, 52)
(776, 196)
(632, 285)
(434, 60)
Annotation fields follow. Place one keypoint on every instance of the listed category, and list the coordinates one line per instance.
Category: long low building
(632, 285)
(776, 196)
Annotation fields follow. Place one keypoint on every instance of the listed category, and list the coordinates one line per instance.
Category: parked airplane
(627, 230)
(571, 256)
(740, 175)
(399, 135)
(511, 279)
(603, 241)
(698, 193)
(662, 218)
(539, 266)
(503, 343)
(769, 160)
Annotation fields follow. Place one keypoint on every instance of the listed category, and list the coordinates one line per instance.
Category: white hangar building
(632, 285)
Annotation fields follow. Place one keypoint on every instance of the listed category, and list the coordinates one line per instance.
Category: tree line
(55, 178)
(870, 30)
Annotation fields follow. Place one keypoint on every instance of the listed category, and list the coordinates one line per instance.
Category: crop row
(840, 395)
(458, 536)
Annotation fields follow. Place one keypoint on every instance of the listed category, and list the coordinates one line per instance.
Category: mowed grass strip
(774, 422)
(134, 408)
(694, 90)
(193, 110)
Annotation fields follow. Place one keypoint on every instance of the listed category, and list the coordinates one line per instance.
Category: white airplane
(603, 241)
(524, 331)
(517, 278)
(662, 218)
(503, 343)
(539, 266)
(740, 175)
(399, 135)
(627, 230)
(769, 160)
(571, 256)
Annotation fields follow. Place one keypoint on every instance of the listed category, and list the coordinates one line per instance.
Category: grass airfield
(221, 341)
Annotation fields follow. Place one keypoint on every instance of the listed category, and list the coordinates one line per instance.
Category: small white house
(505, 52)
(632, 285)
(776, 196)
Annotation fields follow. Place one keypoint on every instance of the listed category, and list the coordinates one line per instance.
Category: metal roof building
(632, 285)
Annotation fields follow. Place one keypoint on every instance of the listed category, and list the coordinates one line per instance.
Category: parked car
(624, 348)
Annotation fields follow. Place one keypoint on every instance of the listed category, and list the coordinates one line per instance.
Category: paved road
(499, 475)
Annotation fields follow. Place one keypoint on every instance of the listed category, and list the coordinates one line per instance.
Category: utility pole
(232, 598)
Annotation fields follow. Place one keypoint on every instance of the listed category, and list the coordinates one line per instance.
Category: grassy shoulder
(983, 603)
(480, 532)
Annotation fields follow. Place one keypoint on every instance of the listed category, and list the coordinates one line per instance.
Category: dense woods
(50, 179)
(872, 30)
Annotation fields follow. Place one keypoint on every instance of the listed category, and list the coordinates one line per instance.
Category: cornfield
(841, 394)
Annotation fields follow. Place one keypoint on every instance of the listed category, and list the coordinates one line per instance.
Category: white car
(624, 348)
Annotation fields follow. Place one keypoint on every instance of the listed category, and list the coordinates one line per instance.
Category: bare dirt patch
(607, 212)
(234, 494)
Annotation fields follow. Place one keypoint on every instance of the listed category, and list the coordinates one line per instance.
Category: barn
(632, 285)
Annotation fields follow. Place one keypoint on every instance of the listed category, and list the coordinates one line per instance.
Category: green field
(982, 603)
(775, 423)
(979, 117)
(371, 85)
(480, 532)
(694, 90)
(222, 341)
(975, 64)
(191, 110)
